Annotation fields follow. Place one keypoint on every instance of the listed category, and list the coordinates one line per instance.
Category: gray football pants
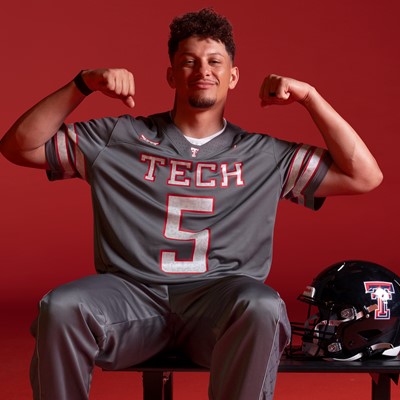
(236, 326)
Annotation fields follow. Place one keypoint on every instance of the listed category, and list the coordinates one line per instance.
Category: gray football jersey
(166, 211)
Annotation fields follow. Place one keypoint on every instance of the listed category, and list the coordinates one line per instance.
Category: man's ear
(170, 78)
(234, 77)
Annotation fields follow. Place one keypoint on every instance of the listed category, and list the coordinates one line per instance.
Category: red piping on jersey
(58, 153)
(290, 170)
(70, 161)
(76, 146)
(314, 172)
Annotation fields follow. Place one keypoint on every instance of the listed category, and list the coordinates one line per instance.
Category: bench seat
(158, 373)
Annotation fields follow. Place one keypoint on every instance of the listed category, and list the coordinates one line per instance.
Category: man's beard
(201, 102)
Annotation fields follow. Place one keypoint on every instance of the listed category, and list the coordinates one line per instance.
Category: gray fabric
(236, 326)
(138, 168)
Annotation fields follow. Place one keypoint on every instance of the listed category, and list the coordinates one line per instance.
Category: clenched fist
(114, 82)
(280, 90)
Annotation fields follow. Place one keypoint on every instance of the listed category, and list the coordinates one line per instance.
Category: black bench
(158, 373)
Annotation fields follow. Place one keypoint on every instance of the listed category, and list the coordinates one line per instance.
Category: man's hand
(278, 90)
(116, 82)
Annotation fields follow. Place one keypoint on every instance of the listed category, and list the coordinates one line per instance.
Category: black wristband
(81, 85)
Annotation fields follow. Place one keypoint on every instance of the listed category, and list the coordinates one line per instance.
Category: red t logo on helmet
(382, 292)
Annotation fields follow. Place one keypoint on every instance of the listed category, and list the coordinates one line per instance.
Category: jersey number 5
(176, 207)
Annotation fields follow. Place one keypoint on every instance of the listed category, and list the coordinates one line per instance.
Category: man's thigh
(130, 321)
(208, 310)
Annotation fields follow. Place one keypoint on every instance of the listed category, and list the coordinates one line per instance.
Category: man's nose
(203, 68)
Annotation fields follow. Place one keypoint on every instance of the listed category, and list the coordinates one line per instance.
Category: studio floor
(16, 354)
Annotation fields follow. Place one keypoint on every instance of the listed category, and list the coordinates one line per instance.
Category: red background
(349, 50)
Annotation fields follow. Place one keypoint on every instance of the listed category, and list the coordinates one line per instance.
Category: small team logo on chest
(194, 151)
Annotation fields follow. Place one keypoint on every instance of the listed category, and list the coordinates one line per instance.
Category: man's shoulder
(127, 126)
(249, 137)
(148, 121)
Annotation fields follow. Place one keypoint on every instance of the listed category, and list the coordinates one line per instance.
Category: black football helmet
(358, 312)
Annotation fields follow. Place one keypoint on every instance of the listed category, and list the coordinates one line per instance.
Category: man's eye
(215, 62)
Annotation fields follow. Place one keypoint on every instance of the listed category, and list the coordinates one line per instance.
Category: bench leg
(381, 387)
(157, 385)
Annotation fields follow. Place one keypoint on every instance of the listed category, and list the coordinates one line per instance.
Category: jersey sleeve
(303, 167)
(74, 148)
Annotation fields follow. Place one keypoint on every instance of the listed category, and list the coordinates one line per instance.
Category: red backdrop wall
(348, 50)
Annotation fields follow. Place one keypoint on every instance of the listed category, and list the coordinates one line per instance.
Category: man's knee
(248, 308)
(64, 308)
(258, 301)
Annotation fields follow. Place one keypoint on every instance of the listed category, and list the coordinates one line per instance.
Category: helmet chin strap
(350, 314)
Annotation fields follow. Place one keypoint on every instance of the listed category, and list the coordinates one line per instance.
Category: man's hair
(205, 24)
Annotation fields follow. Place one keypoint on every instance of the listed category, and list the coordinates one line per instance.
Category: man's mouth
(202, 84)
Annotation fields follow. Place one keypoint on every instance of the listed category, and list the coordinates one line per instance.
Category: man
(184, 206)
